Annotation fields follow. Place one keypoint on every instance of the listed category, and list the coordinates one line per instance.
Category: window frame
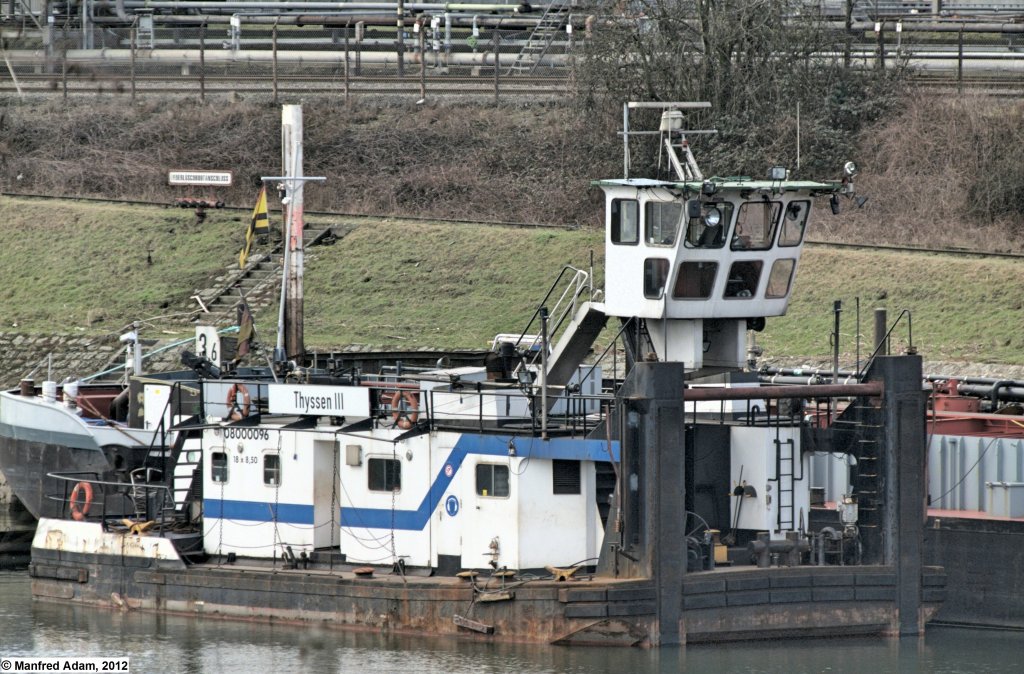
(806, 205)
(688, 264)
(663, 269)
(277, 456)
(789, 279)
(650, 205)
(492, 467)
(213, 466)
(615, 222)
(395, 474)
(766, 243)
(759, 264)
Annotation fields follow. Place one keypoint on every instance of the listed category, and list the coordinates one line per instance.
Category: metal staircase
(544, 33)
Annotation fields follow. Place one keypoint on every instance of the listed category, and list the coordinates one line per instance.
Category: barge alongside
(521, 500)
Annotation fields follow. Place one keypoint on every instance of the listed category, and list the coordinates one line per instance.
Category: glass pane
(695, 280)
(794, 224)
(704, 232)
(661, 221)
(484, 483)
(501, 486)
(271, 469)
(625, 221)
(219, 467)
(655, 276)
(755, 225)
(743, 279)
(780, 278)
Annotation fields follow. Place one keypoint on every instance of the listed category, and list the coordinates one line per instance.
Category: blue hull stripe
(487, 445)
(258, 511)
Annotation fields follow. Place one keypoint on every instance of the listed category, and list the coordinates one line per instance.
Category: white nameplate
(335, 401)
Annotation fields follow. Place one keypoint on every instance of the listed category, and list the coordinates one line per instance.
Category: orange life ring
(235, 412)
(400, 417)
(78, 512)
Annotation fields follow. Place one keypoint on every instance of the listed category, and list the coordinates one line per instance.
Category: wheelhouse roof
(731, 183)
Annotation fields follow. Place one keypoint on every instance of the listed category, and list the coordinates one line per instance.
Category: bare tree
(756, 61)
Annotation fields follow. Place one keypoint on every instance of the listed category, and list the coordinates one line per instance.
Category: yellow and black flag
(260, 224)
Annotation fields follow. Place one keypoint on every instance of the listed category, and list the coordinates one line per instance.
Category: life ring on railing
(79, 511)
(401, 417)
(237, 412)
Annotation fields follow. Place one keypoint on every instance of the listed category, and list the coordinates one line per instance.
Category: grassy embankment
(82, 267)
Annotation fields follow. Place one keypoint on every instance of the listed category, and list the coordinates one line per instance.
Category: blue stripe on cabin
(486, 445)
(258, 511)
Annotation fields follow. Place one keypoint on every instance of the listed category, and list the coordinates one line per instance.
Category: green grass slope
(83, 266)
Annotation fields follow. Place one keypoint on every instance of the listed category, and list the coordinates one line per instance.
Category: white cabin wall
(555, 529)
(248, 527)
(753, 451)
(379, 525)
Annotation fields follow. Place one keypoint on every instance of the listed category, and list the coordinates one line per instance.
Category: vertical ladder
(785, 471)
(539, 42)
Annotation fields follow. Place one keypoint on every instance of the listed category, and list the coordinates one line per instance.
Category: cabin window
(384, 474)
(708, 230)
(743, 279)
(219, 467)
(272, 470)
(492, 480)
(695, 280)
(794, 224)
(755, 225)
(780, 278)
(625, 221)
(655, 276)
(565, 477)
(661, 220)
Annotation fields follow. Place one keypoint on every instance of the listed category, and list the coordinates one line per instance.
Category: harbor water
(159, 643)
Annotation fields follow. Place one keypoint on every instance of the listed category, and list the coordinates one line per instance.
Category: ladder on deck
(544, 33)
(785, 472)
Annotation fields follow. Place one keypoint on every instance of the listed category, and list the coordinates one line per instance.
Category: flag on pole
(259, 223)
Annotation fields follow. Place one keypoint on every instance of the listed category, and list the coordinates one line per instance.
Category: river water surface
(170, 644)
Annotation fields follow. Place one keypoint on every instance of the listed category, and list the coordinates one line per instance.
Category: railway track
(500, 223)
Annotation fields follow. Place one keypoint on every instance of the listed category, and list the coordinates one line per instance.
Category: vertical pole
(544, 373)
(423, 65)
(847, 31)
(273, 63)
(497, 65)
(960, 60)
(347, 25)
(881, 319)
(64, 71)
(881, 46)
(400, 26)
(134, 45)
(202, 62)
(837, 309)
(291, 120)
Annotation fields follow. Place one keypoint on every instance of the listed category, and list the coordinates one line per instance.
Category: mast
(291, 150)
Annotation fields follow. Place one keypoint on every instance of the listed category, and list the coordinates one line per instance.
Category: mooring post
(653, 498)
(904, 434)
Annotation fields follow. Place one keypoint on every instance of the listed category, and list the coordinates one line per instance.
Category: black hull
(984, 562)
(27, 464)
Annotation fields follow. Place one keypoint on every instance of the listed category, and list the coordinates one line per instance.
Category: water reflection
(157, 643)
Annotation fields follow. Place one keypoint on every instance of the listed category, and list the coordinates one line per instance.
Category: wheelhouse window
(219, 466)
(661, 222)
(755, 225)
(780, 279)
(384, 474)
(655, 277)
(492, 480)
(695, 280)
(272, 470)
(625, 221)
(565, 477)
(709, 230)
(794, 224)
(743, 279)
